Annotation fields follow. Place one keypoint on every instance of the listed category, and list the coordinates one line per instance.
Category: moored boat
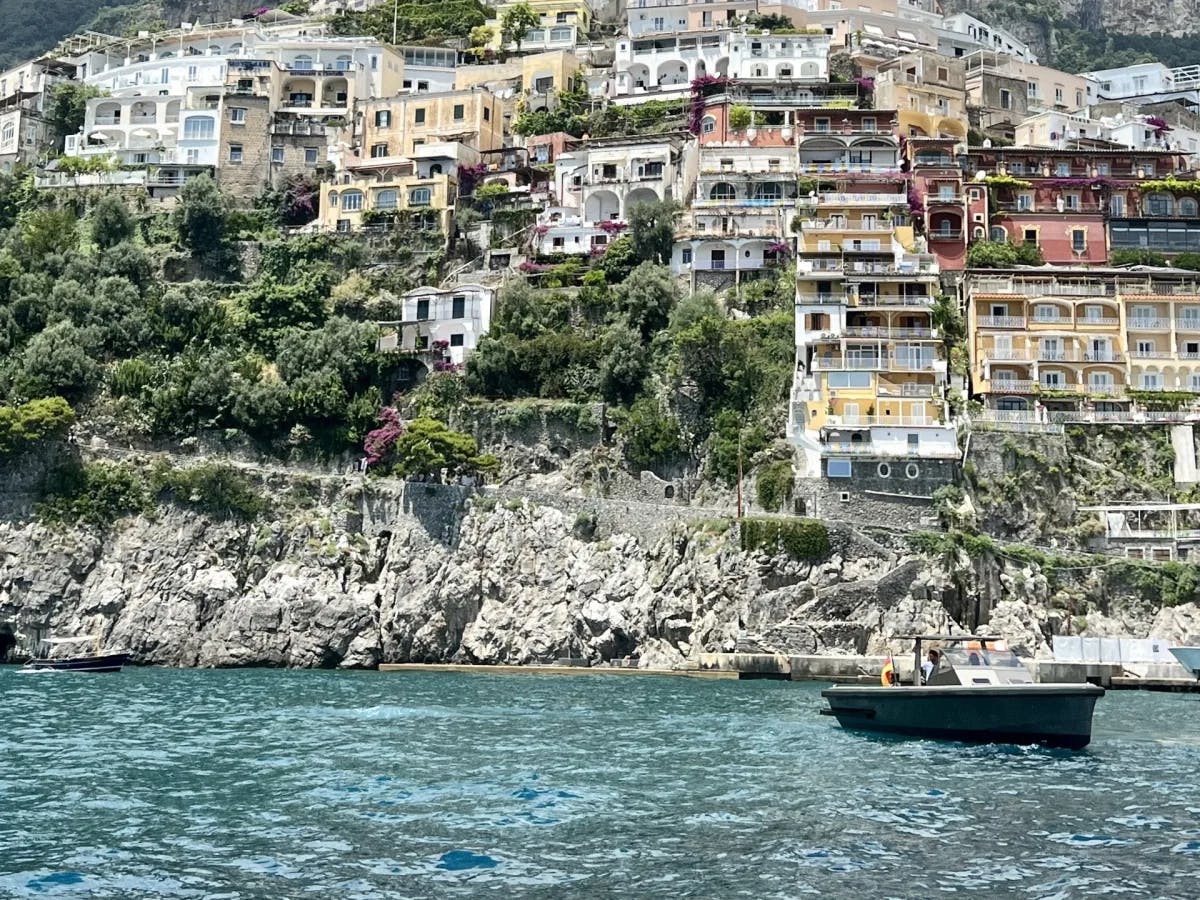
(975, 689)
(97, 661)
(1189, 658)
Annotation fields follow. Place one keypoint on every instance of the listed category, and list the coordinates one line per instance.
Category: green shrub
(95, 494)
(804, 540)
(33, 421)
(775, 484)
(220, 491)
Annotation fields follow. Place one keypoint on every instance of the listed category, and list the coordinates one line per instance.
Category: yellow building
(928, 91)
(393, 127)
(533, 74)
(1066, 337)
(372, 195)
(554, 12)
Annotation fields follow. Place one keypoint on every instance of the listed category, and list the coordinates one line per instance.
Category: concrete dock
(829, 669)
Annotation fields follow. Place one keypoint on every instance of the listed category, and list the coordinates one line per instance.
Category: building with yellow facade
(871, 374)
(928, 92)
(1066, 339)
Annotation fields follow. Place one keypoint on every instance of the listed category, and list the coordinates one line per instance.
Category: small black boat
(974, 690)
(97, 661)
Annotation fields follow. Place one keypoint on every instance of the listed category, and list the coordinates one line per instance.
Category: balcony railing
(1010, 355)
(821, 299)
(1001, 322)
(874, 363)
(1054, 321)
(944, 235)
(1187, 324)
(1150, 354)
(887, 388)
(856, 421)
(891, 300)
(1097, 322)
(1145, 323)
(875, 331)
(1012, 386)
(832, 198)
(833, 225)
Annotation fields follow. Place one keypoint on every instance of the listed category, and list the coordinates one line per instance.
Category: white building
(443, 325)
(982, 36)
(668, 64)
(1145, 81)
(1130, 128)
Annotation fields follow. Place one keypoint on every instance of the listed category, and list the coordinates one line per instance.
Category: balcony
(1051, 321)
(821, 299)
(846, 168)
(856, 421)
(1150, 354)
(836, 225)
(944, 199)
(876, 301)
(874, 363)
(1097, 322)
(943, 235)
(874, 331)
(1013, 386)
(885, 388)
(845, 199)
(1187, 324)
(1007, 355)
(1145, 323)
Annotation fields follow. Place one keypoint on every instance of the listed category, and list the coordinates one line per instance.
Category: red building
(1058, 200)
(937, 201)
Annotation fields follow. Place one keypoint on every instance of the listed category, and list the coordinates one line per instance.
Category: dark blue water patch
(462, 860)
(55, 880)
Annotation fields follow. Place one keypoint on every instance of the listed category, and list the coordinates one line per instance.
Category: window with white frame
(352, 201)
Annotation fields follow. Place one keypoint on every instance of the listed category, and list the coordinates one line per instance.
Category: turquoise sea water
(249, 784)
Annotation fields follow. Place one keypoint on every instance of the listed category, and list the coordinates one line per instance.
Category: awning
(98, 136)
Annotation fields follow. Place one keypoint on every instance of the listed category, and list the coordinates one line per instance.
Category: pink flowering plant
(380, 444)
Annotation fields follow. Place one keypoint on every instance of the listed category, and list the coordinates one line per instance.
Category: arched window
(708, 125)
(560, 34)
(342, 63)
(771, 190)
(10, 131)
(333, 199)
(303, 61)
(435, 169)
(419, 197)
(722, 190)
(998, 234)
(978, 234)
(1187, 207)
(386, 199)
(352, 201)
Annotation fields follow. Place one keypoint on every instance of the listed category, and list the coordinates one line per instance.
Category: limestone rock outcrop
(386, 572)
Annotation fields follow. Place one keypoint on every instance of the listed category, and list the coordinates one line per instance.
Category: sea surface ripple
(163, 783)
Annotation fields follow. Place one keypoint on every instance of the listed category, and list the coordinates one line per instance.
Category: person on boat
(929, 666)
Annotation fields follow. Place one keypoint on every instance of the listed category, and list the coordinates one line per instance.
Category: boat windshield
(980, 656)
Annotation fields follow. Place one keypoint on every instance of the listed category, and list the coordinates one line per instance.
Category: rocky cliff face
(378, 571)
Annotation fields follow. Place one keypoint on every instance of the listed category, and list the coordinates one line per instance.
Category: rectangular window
(838, 468)
(383, 118)
(943, 74)
(235, 153)
(192, 73)
(237, 115)
(1058, 95)
(198, 128)
(379, 150)
(1032, 90)
(1078, 240)
(1062, 169)
(419, 116)
(685, 256)
(1116, 205)
(422, 310)
(310, 156)
(1031, 236)
(487, 114)
(458, 307)
(868, 125)
(821, 126)
(456, 340)
(193, 156)
(459, 112)
(1071, 202)
(1005, 99)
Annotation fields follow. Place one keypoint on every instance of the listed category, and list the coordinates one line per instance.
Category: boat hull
(1055, 715)
(1189, 658)
(104, 662)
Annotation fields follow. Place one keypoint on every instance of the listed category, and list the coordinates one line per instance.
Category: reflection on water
(247, 784)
